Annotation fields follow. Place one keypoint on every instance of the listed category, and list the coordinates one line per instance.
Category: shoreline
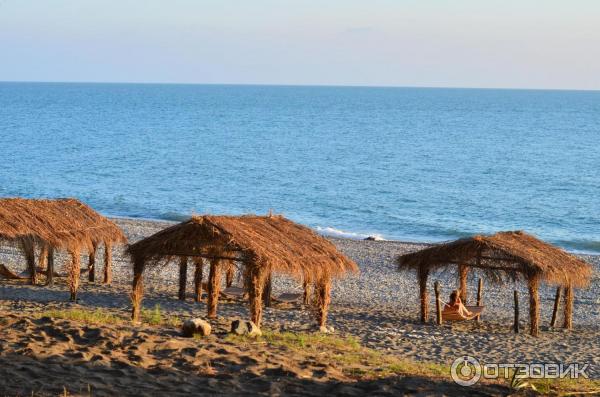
(342, 234)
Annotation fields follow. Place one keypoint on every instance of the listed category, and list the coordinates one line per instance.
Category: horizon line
(296, 85)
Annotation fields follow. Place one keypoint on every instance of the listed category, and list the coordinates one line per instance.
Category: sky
(550, 44)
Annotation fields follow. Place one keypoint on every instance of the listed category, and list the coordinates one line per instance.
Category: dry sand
(379, 307)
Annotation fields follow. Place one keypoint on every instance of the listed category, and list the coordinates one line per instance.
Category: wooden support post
(306, 289)
(424, 296)
(556, 306)
(28, 247)
(214, 285)
(323, 298)
(479, 297)
(137, 292)
(50, 266)
(568, 321)
(107, 262)
(92, 264)
(183, 267)
(198, 279)
(74, 274)
(462, 276)
(516, 321)
(534, 305)
(43, 258)
(255, 280)
(438, 303)
(266, 293)
(229, 274)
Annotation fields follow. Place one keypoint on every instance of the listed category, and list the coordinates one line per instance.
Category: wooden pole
(198, 279)
(43, 258)
(516, 322)
(438, 303)
(479, 296)
(183, 267)
(74, 274)
(107, 262)
(556, 306)
(424, 296)
(462, 275)
(568, 321)
(534, 305)
(255, 280)
(137, 292)
(266, 293)
(92, 264)
(28, 247)
(50, 266)
(214, 284)
(306, 289)
(323, 295)
(229, 274)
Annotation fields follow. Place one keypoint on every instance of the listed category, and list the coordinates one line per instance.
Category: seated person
(456, 306)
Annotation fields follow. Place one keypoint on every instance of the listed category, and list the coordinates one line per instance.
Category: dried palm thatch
(264, 244)
(517, 253)
(65, 224)
(513, 254)
(62, 224)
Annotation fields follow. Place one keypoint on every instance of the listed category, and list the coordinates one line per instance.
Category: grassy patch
(359, 362)
(567, 387)
(97, 316)
(153, 317)
(346, 353)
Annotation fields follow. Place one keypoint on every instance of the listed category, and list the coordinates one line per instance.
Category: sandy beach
(378, 308)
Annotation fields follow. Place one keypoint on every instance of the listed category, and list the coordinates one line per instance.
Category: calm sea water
(403, 163)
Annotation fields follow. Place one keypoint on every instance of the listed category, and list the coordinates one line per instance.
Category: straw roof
(513, 252)
(61, 223)
(271, 241)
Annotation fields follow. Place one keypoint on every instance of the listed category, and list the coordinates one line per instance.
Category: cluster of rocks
(200, 327)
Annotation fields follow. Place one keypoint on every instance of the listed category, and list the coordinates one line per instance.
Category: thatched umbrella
(58, 224)
(513, 254)
(262, 244)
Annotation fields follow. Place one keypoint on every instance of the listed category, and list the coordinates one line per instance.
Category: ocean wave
(333, 232)
(174, 216)
(580, 246)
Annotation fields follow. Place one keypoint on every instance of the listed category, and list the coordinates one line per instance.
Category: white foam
(333, 232)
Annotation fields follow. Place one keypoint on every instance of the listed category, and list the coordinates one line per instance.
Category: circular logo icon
(466, 371)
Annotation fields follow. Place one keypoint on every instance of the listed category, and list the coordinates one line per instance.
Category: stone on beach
(241, 327)
(195, 326)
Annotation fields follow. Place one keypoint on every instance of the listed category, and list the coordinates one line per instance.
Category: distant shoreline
(168, 222)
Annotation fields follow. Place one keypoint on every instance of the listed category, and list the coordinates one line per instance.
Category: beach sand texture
(379, 307)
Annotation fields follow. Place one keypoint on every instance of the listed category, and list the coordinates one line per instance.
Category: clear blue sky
(459, 43)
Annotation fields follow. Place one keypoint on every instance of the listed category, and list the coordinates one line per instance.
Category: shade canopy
(514, 253)
(62, 223)
(263, 244)
(272, 242)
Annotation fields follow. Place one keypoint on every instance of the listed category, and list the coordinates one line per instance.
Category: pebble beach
(378, 307)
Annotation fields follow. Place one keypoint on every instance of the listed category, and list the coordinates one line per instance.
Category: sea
(410, 164)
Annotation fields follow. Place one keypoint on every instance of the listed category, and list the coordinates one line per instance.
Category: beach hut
(263, 245)
(61, 224)
(516, 255)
